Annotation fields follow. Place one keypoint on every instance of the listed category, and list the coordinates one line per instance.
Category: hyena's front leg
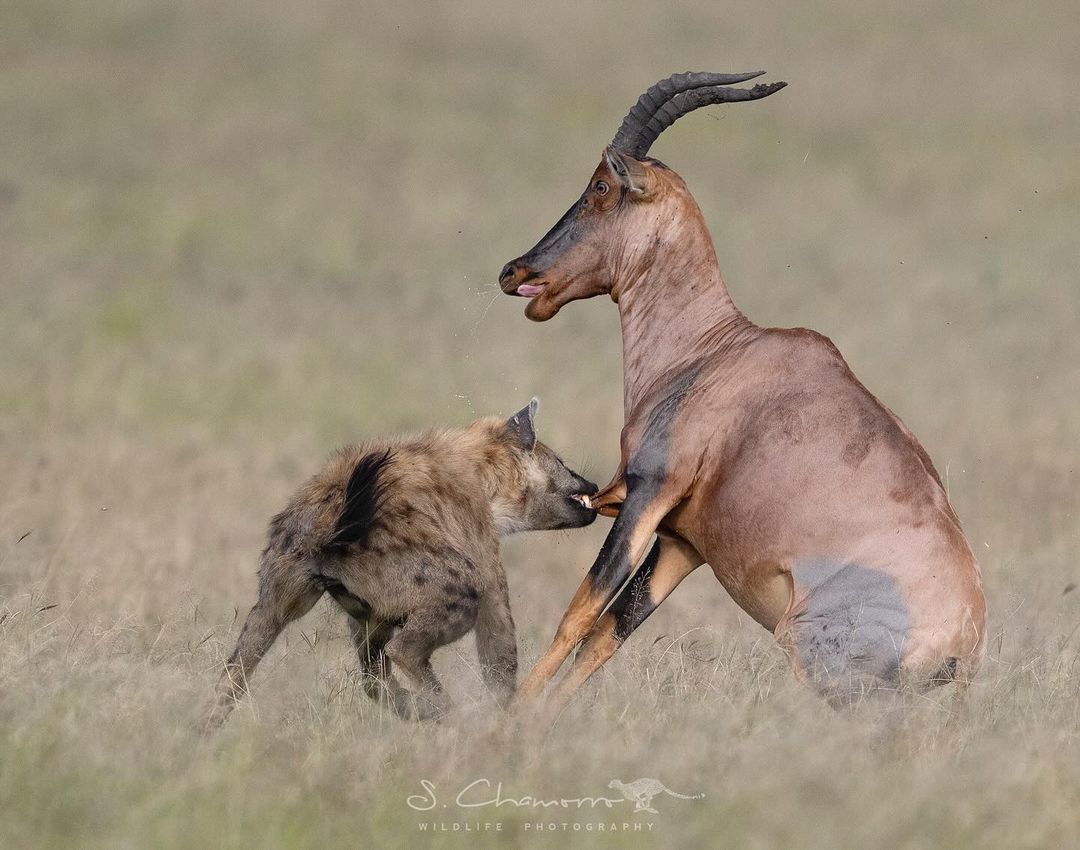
(286, 593)
(410, 650)
(496, 644)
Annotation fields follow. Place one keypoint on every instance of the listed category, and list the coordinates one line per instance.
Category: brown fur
(755, 449)
(425, 569)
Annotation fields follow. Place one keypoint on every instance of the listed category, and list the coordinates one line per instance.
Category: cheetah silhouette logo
(640, 792)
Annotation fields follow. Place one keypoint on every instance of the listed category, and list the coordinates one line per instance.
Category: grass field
(234, 236)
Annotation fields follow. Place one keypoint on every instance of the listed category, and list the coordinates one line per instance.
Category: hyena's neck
(488, 464)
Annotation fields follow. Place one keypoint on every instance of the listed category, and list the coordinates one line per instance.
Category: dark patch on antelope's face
(577, 257)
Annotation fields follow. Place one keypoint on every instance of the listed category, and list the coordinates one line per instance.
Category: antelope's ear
(522, 425)
(630, 173)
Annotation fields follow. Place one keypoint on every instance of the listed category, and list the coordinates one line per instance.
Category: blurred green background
(234, 236)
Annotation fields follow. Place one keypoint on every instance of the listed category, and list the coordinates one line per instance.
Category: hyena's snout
(575, 506)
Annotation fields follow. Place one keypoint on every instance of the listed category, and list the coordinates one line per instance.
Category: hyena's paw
(426, 708)
(387, 691)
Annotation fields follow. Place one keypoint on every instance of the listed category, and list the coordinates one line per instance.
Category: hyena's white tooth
(586, 501)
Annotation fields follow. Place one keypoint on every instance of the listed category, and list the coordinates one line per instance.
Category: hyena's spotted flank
(404, 535)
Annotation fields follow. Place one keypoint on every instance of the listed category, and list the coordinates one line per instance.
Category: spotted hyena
(404, 534)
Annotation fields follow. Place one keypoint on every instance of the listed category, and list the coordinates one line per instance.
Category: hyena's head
(535, 490)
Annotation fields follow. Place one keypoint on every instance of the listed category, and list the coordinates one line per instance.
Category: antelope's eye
(601, 188)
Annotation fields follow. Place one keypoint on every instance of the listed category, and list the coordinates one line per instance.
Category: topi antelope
(753, 449)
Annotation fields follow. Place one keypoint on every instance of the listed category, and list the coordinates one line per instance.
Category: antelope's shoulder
(802, 349)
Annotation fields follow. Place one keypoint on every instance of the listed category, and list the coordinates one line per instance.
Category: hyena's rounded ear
(522, 425)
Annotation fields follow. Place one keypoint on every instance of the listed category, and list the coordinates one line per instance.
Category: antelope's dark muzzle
(545, 252)
(512, 276)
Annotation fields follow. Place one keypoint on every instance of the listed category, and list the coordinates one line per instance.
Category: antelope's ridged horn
(667, 101)
(660, 93)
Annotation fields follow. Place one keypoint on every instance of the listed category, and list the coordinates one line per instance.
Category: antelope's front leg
(668, 563)
(625, 545)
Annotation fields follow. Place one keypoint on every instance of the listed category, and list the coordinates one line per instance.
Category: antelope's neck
(675, 315)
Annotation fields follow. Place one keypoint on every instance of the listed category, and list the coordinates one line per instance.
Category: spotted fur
(403, 534)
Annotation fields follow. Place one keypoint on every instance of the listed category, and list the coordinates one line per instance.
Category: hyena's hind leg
(287, 591)
(376, 677)
(370, 636)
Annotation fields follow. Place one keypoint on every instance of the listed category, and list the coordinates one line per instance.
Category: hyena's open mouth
(582, 500)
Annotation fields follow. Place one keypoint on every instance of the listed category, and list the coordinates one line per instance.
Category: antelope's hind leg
(848, 632)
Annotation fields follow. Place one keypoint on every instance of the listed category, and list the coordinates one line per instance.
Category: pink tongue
(530, 289)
